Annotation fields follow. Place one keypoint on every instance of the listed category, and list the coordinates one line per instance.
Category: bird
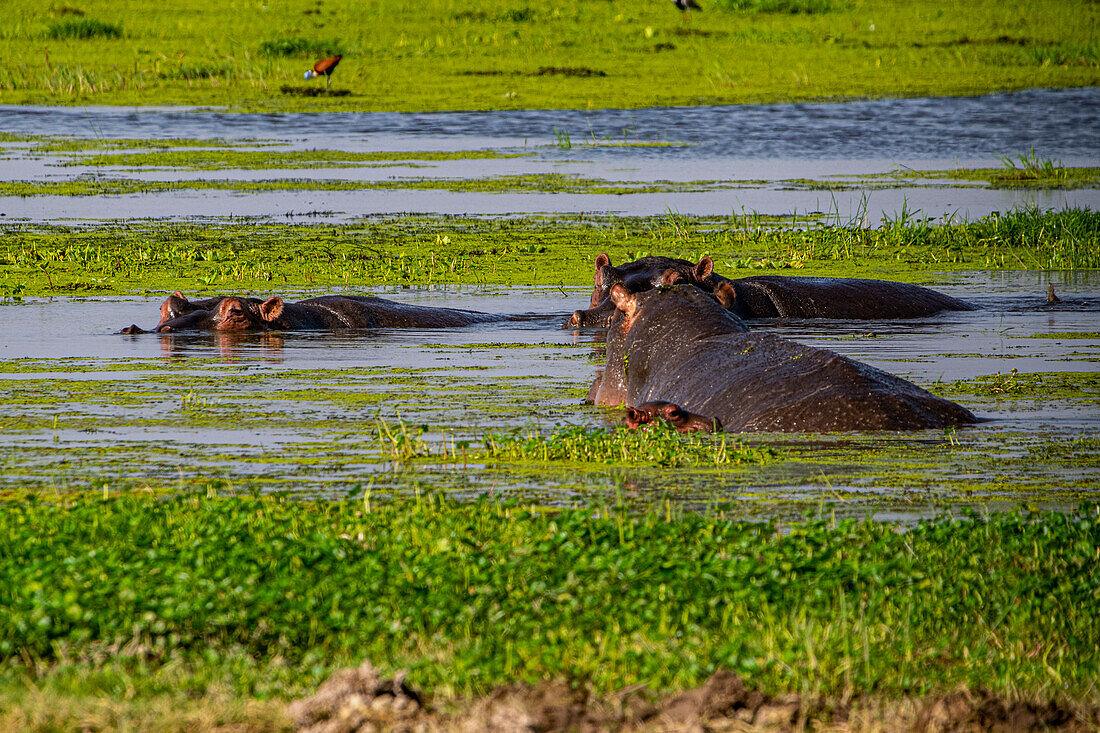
(686, 5)
(327, 66)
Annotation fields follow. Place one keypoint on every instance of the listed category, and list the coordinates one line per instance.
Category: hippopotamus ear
(271, 308)
(703, 269)
(670, 277)
(175, 305)
(726, 295)
(623, 299)
(602, 261)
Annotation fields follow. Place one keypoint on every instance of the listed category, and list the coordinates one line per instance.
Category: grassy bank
(506, 54)
(132, 258)
(193, 596)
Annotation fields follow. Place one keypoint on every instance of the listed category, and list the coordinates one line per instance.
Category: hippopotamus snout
(676, 416)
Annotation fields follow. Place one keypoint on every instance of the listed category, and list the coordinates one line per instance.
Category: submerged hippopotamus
(683, 421)
(328, 312)
(766, 296)
(678, 345)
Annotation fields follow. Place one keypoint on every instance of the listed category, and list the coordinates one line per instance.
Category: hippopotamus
(683, 421)
(767, 296)
(680, 346)
(328, 312)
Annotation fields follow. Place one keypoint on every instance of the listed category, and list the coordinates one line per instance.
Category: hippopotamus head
(676, 416)
(177, 305)
(230, 314)
(600, 316)
(647, 273)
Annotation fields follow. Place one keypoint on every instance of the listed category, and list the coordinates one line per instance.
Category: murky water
(297, 411)
(768, 143)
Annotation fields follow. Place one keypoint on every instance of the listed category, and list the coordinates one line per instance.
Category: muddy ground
(361, 701)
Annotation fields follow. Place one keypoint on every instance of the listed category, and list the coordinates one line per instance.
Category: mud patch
(359, 700)
(294, 91)
(576, 71)
(981, 710)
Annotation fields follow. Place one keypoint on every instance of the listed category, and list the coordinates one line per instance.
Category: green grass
(439, 54)
(300, 47)
(267, 596)
(129, 258)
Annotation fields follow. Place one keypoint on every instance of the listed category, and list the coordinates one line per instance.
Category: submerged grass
(659, 446)
(436, 56)
(265, 597)
(51, 260)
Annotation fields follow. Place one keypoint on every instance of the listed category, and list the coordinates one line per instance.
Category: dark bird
(327, 66)
(686, 5)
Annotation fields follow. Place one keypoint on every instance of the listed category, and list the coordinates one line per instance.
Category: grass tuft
(306, 47)
(81, 29)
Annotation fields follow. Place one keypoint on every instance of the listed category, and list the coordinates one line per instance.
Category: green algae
(323, 432)
(1030, 386)
(1066, 178)
(526, 183)
(269, 159)
(1062, 335)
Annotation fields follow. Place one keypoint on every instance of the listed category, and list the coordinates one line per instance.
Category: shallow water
(764, 143)
(297, 411)
(1062, 123)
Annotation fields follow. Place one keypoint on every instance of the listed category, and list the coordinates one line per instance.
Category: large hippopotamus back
(678, 345)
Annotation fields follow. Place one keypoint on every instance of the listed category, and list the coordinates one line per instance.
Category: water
(758, 148)
(1062, 123)
(298, 411)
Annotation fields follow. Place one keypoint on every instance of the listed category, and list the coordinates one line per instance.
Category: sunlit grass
(48, 260)
(435, 55)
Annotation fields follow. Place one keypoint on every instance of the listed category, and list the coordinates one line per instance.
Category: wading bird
(327, 66)
(686, 5)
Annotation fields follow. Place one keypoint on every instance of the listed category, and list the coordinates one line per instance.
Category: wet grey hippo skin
(678, 345)
(683, 421)
(329, 312)
(767, 296)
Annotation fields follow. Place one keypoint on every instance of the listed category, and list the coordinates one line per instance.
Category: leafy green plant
(469, 596)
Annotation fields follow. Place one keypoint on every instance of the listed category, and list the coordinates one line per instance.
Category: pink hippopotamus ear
(271, 308)
(670, 277)
(703, 269)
